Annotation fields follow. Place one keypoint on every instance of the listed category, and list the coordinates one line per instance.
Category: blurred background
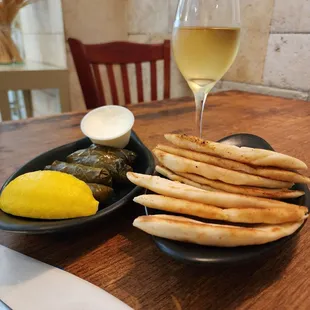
(273, 59)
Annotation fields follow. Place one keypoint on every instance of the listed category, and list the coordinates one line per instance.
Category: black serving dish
(123, 193)
(204, 255)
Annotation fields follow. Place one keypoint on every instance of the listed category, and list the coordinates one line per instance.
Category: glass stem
(200, 101)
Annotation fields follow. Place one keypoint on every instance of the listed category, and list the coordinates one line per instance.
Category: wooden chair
(88, 57)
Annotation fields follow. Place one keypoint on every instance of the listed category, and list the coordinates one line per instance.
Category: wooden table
(32, 75)
(123, 260)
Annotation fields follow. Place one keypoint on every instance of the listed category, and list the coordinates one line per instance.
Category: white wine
(204, 54)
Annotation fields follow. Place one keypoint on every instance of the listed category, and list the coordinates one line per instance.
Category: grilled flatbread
(186, 230)
(206, 184)
(181, 164)
(250, 216)
(257, 157)
(271, 173)
(174, 177)
(220, 199)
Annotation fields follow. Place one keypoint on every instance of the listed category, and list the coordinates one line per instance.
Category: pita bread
(181, 164)
(206, 184)
(174, 177)
(251, 216)
(271, 173)
(257, 157)
(186, 230)
(219, 199)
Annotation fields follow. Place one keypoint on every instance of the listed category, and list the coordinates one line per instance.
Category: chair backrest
(88, 57)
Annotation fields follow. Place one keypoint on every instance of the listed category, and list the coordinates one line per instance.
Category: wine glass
(205, 40)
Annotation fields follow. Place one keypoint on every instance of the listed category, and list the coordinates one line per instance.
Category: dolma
(100, 192)
(106, 157)
(117, 168)
(127, 155)
(84, 173)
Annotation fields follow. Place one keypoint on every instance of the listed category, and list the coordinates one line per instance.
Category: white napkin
(28, 284)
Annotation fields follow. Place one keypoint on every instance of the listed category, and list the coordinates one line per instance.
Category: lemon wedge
(48, 195)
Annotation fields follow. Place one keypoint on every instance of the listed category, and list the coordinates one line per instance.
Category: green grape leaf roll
(106, 157)
(100, 192)
(117, 167)
(127, 155)
(84, 173)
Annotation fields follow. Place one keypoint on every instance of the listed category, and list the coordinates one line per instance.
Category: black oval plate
(124, 194)
(204, 255)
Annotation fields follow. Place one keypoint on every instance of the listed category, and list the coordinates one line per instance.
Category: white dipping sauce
(108, 125)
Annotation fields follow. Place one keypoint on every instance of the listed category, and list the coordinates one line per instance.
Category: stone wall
(279, 63)
(274, 53)
(151, 22)
(273, 58)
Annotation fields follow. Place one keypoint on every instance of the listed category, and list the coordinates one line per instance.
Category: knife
(4, 306)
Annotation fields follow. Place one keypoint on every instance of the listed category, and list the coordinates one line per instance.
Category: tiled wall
(274, 54)
(282, 56)
(151, 22)
(249, 64)
(44, 41)
(288, 54)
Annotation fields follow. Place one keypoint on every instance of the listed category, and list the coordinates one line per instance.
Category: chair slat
(153, 81)
(125, 81)
(99, 84)
(88, 58)
(139, 82)
(85, 74)
(112, 84)
(167, 65)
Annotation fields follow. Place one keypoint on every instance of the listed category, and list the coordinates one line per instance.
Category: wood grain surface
(123, 260)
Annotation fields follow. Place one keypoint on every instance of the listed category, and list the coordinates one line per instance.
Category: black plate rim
(264, 248)
(72, 223)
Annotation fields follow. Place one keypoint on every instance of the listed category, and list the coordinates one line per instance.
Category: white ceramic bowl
(108, 125)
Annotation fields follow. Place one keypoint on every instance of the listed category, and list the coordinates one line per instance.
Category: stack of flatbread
(221, 167)
(223, 183)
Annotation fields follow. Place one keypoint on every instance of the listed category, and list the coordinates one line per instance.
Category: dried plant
(8, 12)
